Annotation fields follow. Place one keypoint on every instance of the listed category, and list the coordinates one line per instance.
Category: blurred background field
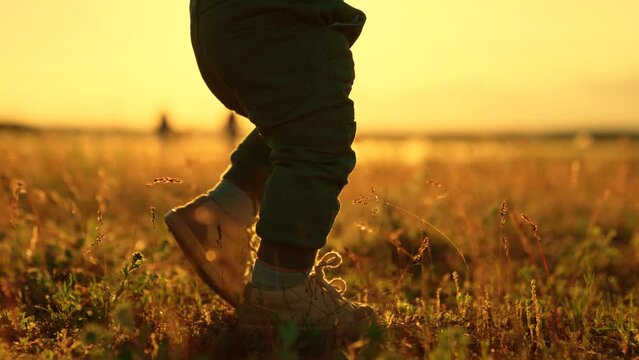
(519, 245)
(482, 248)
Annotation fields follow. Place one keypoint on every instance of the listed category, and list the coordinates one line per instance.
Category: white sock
(237, 203)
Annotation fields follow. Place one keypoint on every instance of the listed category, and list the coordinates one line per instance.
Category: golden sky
(434, 65)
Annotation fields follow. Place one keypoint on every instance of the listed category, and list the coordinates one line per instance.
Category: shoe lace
(335, 286)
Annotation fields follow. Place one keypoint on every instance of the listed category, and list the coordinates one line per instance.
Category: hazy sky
(441, 65)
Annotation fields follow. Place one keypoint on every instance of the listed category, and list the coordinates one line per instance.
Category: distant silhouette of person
(230, 129)
(164, 128)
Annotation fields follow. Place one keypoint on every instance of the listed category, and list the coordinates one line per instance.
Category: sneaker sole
(195, 253)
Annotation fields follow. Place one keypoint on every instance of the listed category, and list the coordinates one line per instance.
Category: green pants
(286, 65)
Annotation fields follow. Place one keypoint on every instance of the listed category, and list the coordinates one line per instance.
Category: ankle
(270, 277)
(280, 268)
(238, 204)
(286, 256)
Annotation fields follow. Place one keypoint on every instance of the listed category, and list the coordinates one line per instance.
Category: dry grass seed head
(536, 309)
(503, 213)
(17, 188)
(164, 180)
(99, 228)
(535, 230)
(153, 215)
(422, 247)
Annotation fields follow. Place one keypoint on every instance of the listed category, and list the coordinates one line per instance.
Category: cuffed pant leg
(312, 159)
(250, 166)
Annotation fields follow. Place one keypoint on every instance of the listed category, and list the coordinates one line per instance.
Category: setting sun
(423, 65)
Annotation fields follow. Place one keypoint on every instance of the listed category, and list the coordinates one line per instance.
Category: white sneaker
(315, 304)
(218, 247)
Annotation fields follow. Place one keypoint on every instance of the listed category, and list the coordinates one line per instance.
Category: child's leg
(250, 166)
(293, 80)
(241, 188)
(312, 159)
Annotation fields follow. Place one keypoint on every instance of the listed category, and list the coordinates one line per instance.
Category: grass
(486, 249)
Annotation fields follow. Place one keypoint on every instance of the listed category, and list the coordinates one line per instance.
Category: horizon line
(597, 133)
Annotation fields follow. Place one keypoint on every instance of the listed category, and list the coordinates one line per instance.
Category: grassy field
(478, 249)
